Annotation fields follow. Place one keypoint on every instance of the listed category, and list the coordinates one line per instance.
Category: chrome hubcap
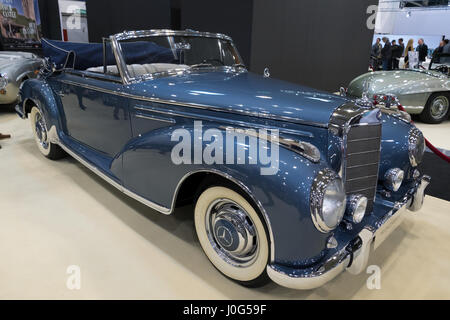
(439, 107)
(231, 233)
(41, 131)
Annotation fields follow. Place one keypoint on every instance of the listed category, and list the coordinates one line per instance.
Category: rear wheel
(232, 235)
(40, 131)
(436, 109)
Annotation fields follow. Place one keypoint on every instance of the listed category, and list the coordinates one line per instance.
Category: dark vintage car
(301, 185)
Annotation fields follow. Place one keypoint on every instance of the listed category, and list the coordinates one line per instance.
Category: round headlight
(3, 81)
(328, 200)
(416, 146)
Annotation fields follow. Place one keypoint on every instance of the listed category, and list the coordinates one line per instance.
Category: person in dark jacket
(386, 54)
(423, 50)
(438, 51)
(401, 44)
(397, 52)
(375, 55)
(446, 48)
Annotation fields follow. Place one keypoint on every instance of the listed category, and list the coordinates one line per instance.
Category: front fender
(283, 198)
(39, 92)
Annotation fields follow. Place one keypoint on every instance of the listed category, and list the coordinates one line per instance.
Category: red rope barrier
(429, 145)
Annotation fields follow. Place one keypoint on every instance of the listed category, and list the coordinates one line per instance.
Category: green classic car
(423, 92)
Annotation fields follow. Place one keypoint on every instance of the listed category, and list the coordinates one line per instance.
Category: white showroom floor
(438, 135)
(58, 214)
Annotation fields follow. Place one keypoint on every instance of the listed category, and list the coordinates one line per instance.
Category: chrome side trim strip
(149, 117)
(305, 149)
(197, 106)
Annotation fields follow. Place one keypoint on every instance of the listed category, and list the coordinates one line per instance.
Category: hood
(245, 93)
(7, 58)
(395, 82)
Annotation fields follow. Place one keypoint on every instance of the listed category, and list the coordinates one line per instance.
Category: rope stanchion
(429, 145)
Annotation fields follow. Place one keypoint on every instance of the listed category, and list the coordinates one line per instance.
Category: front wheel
(436, 109)
(41, 136)
(232, 235)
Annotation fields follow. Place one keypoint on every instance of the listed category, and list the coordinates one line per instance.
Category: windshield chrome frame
(127, 35)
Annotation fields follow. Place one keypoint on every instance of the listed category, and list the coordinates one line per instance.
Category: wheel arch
(38, 92)
(184, 191)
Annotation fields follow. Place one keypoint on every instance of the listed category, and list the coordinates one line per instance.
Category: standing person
(409, 48)
(375, 54)
(446, 48)
(438, 51)
(402, 45)
(423, 50)
(386, 54)
(397, 52)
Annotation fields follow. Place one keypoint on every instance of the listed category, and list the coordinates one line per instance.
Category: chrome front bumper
(354, 256)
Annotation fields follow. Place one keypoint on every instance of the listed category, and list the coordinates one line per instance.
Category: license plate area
(390, 225)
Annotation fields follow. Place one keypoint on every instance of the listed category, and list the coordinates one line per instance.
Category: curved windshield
(164, 54)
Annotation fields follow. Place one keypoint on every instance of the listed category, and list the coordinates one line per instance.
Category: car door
(96, 113)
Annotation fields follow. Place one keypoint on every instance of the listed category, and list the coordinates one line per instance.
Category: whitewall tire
(232, 235)
(41, 136)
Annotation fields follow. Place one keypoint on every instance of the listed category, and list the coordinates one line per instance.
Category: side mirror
(266, 72)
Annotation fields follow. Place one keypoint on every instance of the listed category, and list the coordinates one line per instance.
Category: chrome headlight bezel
(327, 200)
(416, 146)
(356, 208)
(3, 81)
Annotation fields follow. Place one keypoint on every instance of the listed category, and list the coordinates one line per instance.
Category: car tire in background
(40, 132)
(437, 108)
(232, 235)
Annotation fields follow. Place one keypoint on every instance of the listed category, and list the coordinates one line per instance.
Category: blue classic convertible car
(289, 183)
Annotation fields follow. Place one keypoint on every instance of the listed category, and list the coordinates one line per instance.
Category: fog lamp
(393, 179)
(356, 208)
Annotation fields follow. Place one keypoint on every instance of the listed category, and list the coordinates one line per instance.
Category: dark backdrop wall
(51, 23)
(232, 17)
(319, 43)
(106, 17)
